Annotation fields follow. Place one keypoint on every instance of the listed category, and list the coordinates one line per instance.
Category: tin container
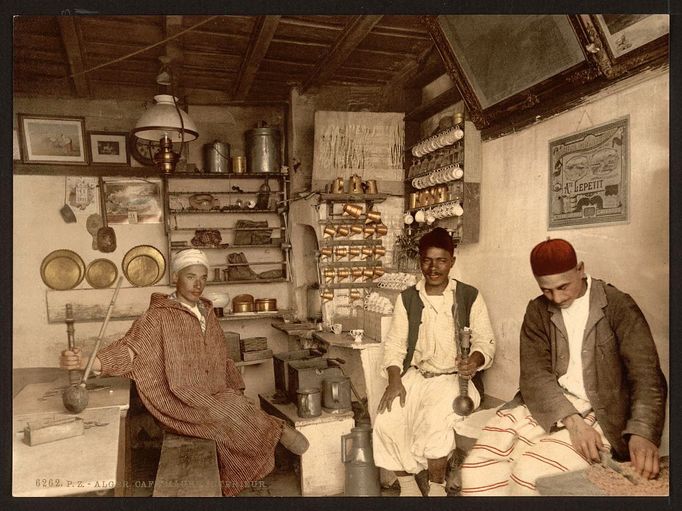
(239, 164)
(263, 150)
(309, 402)
(217, 157)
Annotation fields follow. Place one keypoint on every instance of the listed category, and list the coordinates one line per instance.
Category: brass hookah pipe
(74, 374)
(463, 404)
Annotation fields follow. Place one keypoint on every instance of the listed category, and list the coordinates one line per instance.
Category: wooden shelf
(183, 194)
(228, 246)
(45, 169)
(369, 263)
(440, 102)
(347, 285)
(180, 229)
(353, 197)
(226, 175)
(254, 315)
(235, 282)
(220, 211)
(331, 242)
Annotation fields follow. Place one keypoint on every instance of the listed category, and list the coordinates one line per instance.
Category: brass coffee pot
(337, 185)
(355, 185)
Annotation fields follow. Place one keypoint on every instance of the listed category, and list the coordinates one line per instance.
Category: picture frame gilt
(589, 176)
(51, 139)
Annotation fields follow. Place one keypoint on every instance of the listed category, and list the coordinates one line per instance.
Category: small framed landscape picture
(52, 139)
(108, 148)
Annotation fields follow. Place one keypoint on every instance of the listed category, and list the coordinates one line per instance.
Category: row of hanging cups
(430, 215)
(430, 196)
(352, 252)
(356, 186)
(332, 230)
(435, 161)
(399, 281)
(328, 295)
(355, 210)
(444, 138)
(442, 175)
(377, 303)
(355, 273)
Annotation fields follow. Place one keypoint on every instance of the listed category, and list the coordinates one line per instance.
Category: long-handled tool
(463, 404)
(75, 397)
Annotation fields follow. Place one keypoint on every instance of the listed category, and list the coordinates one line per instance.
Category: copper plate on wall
(62, 269)
(143, 265)
(101, 273)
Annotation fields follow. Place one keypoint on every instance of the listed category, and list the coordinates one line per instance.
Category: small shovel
(93, 225)
(106, 237)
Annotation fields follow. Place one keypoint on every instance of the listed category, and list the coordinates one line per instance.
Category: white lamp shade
(163, 120)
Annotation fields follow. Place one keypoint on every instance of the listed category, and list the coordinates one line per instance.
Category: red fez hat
(551, 257)
(438, 238)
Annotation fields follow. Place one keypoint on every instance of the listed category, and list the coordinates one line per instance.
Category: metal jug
(337, 185)
(336, 393)
(371, 186)
(362, 475)
(355, 184)
(263, 149)
(309, 402)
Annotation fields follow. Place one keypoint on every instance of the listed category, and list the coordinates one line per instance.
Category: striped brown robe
(186, 381)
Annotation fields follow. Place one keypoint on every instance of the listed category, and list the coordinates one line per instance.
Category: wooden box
(253, 344)
(305, 374)
(280, 364)
(249, 356)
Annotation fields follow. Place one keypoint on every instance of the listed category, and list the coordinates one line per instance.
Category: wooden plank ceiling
(220, 59)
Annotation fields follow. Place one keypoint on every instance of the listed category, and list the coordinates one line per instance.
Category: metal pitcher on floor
(362, 475)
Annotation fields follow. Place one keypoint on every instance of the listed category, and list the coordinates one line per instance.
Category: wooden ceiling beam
(172, 25)
(261, 37)
(353, 34)
(74, 53)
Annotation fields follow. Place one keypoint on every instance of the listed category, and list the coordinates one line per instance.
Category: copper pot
(341, 251)
(266, 304)
(353, 251)
(356, 272)
(356, 229)
(342, 273)
(352, 209)
(343, 230)
(242, 303)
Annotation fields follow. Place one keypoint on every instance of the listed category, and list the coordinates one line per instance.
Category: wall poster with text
(589, 176)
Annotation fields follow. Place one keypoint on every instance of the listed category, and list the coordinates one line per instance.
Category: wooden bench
(188, 467)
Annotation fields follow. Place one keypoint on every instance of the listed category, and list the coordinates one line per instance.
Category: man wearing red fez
(590, 385)
(416, 431)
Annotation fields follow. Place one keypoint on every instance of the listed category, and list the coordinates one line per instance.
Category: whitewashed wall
(632, 256)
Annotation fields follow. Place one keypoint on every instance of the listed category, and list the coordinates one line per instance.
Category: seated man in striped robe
(177, 356)
(590, 384)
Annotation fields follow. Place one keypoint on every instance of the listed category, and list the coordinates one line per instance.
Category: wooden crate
(253, 344)
(232, 343)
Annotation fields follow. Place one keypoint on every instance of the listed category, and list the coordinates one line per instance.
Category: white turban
(188, 257)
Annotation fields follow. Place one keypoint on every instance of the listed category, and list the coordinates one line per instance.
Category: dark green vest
(464, 298)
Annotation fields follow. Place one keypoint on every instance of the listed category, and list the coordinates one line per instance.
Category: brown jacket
(621, 370)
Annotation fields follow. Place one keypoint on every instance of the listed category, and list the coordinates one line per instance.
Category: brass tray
(62, 269)
(101, 273)
(143, 265)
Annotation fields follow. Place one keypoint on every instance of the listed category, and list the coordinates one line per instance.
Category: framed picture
(53, 139)
(589, 176)
(503, 55)
(133, 201)
(624, 33)
(16, 152)
(108, 148)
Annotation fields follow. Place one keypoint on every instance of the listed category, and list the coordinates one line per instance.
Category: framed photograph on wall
(108, 148)
(589, 174)
(53, 139)
(624, 33)
(133, 201)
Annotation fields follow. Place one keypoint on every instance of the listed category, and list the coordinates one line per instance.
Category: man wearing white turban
(176, 354)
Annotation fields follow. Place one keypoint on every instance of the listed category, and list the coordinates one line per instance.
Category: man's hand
(394, 389)
(467, 367)
(643, 456)
(585, 439)
(72, 359)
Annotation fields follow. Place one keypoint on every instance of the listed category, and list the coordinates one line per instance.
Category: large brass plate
(143, 265)
(101, 273)
(62, 269)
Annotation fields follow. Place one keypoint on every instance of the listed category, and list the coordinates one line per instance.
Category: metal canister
(217, 157)
(263, 150)
(239, 164)
(361, 474)
(309, 402)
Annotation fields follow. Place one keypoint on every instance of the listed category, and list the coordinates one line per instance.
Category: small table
(322, 471)
(87, 458)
